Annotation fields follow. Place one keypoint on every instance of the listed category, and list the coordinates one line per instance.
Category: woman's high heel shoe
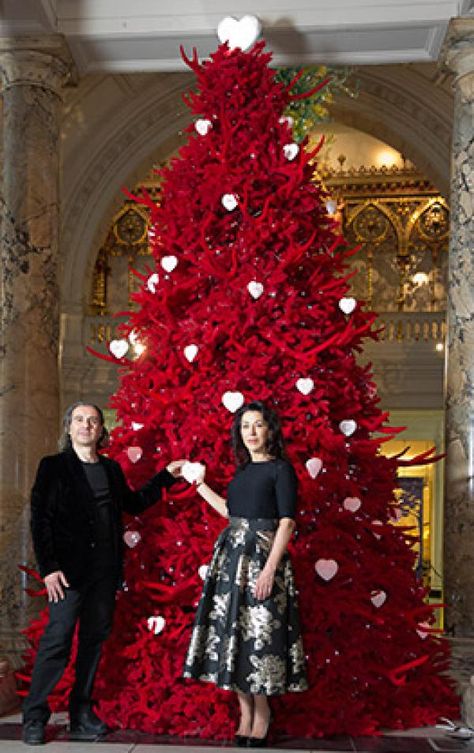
(260, 742)
(241, 740)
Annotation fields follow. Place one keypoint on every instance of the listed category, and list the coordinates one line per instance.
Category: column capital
(43, 61)
(457, 52)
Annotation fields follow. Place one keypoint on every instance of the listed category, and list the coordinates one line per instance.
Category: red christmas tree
(249, 300)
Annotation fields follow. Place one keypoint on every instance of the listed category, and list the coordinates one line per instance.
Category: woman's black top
(263, 490)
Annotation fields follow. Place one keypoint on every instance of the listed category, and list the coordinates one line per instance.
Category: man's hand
(175, 467)
(54, 583)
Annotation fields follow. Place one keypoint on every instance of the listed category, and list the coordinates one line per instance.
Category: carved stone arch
(147, 130)
(408, 110)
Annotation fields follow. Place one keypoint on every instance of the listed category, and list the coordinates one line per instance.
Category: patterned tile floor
(428, 740)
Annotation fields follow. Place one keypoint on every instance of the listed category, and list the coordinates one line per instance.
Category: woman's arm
(212, 498)
(264, 582)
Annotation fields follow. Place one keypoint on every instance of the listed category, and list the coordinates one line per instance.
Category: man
(76, 521)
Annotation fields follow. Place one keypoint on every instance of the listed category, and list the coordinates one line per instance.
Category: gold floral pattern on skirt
(239, 642)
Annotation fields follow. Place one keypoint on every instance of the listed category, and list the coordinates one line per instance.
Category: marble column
(32, 71)
(458, 57)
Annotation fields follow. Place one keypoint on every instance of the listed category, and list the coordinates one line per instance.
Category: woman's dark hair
(275, 444)
(65, 439)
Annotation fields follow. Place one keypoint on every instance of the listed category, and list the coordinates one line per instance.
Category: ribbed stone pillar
(458, 56)
(32, 71)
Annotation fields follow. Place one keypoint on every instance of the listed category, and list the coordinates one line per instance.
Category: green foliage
(308, 111)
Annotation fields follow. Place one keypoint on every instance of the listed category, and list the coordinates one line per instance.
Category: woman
(246, 635)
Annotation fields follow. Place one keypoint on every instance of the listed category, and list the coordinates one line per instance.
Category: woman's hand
(175, 467)
(264, 584)
(194, 473)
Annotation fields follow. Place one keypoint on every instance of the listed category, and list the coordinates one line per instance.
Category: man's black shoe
(87, 726)
(33, 732)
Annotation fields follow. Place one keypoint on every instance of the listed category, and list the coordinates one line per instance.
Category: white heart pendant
(313, 466)
(156, 624)
(190, 352)
(378, 598)
(232, 401)
(229, 201)
(352, 504)
(326, 569)
(134, 454)
(203, 126)
(347, 305)
(131, 538)
(290, 151)
(118, 348)
(348, 427)
(152, 282)
(169, 263)
(423, 633)
(240, 33)
(305, 385)
(255, 289)
(192, 471)
(377, 523)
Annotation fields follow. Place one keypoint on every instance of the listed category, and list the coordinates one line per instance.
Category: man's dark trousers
(93, 604)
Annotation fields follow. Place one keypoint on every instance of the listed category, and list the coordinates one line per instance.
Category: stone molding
(457, 53)
(35, 61)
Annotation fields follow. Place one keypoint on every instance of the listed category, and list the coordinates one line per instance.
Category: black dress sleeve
(286, 488)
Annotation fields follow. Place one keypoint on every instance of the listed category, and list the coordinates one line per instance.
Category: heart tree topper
(240, 33)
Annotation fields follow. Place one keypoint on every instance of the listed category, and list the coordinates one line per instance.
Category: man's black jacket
(62, 513)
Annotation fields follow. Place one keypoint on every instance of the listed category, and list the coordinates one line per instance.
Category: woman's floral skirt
(239, 642)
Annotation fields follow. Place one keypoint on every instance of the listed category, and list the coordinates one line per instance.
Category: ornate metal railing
(397, 327)
(409, 326)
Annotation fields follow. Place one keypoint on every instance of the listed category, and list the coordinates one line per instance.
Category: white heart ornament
(169, 263)
(190, 352)
(313, 466)
(131, 538)
(348, 427)
(232, 401)
(378, 598)
(203, 571)
(290, 151)
(156, 623)
(136, 426)
(347, 305)
(326, 569)
(286, 119)
(304, 385)
(255, 289)
(240, 33)
(377, 523)
(423, 633)
(134, 454)
(229, 201)
(152, 282)
(352, 504)
(118, 348)
(203, 126)
(191, 471)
